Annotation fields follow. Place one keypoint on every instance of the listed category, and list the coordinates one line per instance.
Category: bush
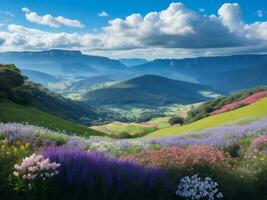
(176, 120)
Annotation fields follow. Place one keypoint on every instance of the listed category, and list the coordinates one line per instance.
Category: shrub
(35, 169)
(176, 120)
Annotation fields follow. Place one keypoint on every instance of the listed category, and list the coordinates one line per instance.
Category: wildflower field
(227, 162)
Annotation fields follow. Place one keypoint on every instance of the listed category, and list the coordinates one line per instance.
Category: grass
(116, 128)
(255, 110)
(12, 112)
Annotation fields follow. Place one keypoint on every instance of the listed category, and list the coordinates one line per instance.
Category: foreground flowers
(179, 157)
(197, 188)
(35, 167)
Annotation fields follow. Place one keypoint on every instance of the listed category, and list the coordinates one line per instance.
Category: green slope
(256, 110)
(12, 112)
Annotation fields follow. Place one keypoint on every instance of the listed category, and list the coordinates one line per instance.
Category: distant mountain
(206, 69)
(148, 90)
(129, 62)
(62, 62)
(87, 83)
(239, 79)
(40, 77)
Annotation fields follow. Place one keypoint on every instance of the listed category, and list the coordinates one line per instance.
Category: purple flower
(223, 136)
(95, 171)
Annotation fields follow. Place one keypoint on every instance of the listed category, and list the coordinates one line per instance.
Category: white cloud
(50, 20)
(176, 31)
(201, 10)
(260, 13)
(103, 14)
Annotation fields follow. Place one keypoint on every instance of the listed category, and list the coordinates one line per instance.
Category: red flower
(179, 157)
(247, 101)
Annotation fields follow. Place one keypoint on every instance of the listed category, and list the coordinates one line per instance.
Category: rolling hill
(252, 111)
(12, 112)
(88, 83)
(148, 90)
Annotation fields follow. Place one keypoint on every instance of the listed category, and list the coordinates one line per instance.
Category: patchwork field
(133, 129)
(255, 110)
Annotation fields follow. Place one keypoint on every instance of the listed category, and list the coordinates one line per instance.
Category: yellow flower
(262, 158)
(27, 145)
(15, 150)
(5, 141)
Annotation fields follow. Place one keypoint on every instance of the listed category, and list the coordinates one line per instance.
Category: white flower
(196, 188)
(34, 167)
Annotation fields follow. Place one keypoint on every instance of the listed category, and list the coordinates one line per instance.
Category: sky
(135, 28)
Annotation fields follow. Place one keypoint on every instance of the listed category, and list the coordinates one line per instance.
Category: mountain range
(64, 71)
(61, 62)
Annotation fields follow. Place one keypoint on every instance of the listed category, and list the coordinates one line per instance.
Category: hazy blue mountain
(239, 79)
(62, 62)
(88, 83)
(207, 70)
(40, 77)
(148, 90)
(129, 62)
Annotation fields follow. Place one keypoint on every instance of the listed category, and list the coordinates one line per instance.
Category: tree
(176, 120)
(10, 77)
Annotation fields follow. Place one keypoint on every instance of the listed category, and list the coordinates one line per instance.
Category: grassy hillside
(10, 111)
(252, 111)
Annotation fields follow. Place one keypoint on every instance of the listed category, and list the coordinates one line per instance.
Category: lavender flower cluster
(29, 133)
(219, 137)
(94, 171)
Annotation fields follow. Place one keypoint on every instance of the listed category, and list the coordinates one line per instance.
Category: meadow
(227, 162)
(128, 130)
(256, 111)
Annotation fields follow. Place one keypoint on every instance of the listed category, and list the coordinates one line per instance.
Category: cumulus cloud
(103, 14)
(175, 30)
(260, 13)
(50, 20)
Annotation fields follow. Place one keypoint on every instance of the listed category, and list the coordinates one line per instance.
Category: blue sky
(89, 26)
